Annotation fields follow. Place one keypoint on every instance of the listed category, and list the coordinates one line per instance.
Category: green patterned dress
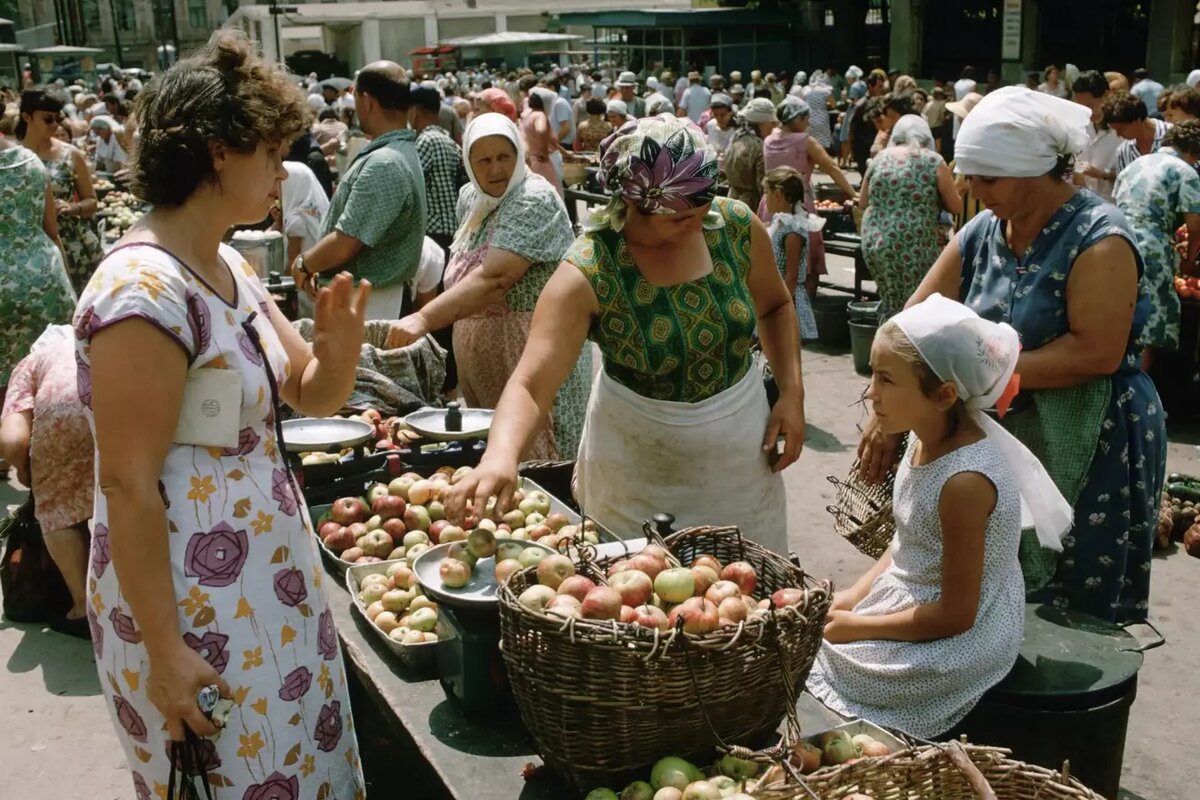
(78, 235)
(34, 288)
(683, 343)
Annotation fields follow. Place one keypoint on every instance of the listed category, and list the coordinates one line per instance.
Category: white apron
(702, 462)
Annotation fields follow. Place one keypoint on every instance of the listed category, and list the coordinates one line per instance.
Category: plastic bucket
(862, 335)
(863, 308)
(832, 315)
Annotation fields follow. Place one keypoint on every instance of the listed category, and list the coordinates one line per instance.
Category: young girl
(938, 620)
(789, 225)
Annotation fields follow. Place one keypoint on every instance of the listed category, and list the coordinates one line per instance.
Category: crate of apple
(391, 599)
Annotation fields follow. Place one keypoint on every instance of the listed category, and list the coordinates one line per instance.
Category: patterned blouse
(682, 343)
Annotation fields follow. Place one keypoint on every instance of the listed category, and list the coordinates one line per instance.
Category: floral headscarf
(662, 164)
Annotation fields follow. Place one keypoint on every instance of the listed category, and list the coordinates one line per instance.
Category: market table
(417, 740)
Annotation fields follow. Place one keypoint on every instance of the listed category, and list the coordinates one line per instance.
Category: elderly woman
(904, 191)
(616, 112)
(743, 163)
(1156, 193)
(110, 155)
(722, 125)
(790, 145)
(203, 568)
(71, 179)
(670, 282)
(1085, 408)
(513, 231)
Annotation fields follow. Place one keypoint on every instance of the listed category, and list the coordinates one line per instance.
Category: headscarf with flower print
(661, 164)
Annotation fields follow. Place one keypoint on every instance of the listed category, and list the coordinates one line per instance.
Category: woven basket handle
(959, 758)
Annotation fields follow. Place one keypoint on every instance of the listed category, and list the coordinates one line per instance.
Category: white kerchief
(1015, 132)
(490, 124)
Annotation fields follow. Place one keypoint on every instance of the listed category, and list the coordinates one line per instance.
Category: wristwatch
(299, 264)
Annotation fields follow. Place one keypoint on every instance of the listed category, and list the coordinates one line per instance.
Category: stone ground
(57, 736)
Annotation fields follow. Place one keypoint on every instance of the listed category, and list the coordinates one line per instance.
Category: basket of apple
(691, 642)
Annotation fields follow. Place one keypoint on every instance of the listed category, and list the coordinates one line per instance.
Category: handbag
(185, 769)
(33, 588)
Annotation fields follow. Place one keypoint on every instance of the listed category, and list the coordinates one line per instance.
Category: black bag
(186, 767)
(34, 590)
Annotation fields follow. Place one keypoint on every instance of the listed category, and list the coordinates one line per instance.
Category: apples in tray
(394, 603)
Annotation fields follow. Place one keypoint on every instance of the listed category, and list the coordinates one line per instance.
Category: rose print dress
(244, 562)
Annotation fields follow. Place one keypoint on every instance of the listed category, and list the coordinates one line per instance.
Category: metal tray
(431, 424)
(306, 434)
(480, 591)
(419, 657)
(857, 726)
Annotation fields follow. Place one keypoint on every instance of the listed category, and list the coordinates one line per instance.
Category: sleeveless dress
(926, 688)
(780, 227)
(531, 222)
(249, 588)
(77, 234)
(677, 408)
(791, 150)
(1105, 442)
(34, 288)
(899, 227)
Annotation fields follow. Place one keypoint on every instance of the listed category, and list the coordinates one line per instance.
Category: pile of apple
(390, 432)
(396, 605)
(646, 590)
(678, 779)
(833, 748)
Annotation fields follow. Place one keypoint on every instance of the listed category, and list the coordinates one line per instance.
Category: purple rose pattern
(296, 684)
(247, 441)
(199, 321)
(275, 787)
(83, 380)
(289, 587)
(281, 491)
(264, 308)
(329, 727)
(326, 636)
(130, 719)
(124, 627)
(97, 633)
(216, 557)
(211, 648)
(140, 788)
(101, 557)
(84, 325)
(249, 349)
(204, 754)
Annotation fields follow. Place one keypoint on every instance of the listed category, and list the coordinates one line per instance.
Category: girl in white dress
(938, 620)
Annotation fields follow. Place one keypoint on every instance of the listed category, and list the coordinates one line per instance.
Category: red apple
(722, 590)
(402, 576)
(699, 616)
(732, 609)
(648, 563)
(348, 510)
(655, 550)
(628, 614)
(787, 597)
(328, 529)
(539, 531)
(564, 606)
(435, 530)
(505, 568)
(372, 416)
(454, 573)
(635, 587)
(618, 566)
(421, 492)
(339, 540)
(704, 577)
(577, 586)
(389, 507)
(707, 561)
(602, 602)
(416, 517)
(742, 574)
(554, 569)
(651, 617)
(395, 529)
(555, 520)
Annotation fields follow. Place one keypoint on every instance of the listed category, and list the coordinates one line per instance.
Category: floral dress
(899, 227)
(780, 227)
(34, 288)
(244, 562)
(1104, 443)
(78, 235)
(531, 222)
(1154, 192)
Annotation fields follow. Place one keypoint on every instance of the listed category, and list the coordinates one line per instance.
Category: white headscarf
(490, 124)
(979, 358)
(1193, 78)
(912, 129)
(1016, 132)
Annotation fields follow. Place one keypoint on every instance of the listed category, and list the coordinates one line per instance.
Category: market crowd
(1022, 239)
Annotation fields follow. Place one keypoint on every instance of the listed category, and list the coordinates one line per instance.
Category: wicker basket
(934, 772)
(604, 701)
(862, 513)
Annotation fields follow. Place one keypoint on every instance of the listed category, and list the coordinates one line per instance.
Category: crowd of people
(1008, 279)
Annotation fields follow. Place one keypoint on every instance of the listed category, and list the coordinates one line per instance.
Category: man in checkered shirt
(441, 161)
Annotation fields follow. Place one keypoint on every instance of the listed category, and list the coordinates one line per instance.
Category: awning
(510, 38)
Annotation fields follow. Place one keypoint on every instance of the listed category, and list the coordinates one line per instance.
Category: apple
(505, 568)
(668, 793)
(651, 617)
(400, 486)
(699, 615)
(454, 573)
(435, 529)
(701, 790)
(351, 554)
(340, 540)
(397, 553)
(537, 597)
(635, 587)
(628, 615)
(389, 507)
(739, 769)
(648, 564)
(618, 566)
(487, 523)
(656, 550)
(374, 610)
(676, 772)
(372, 416)
(348, 510)
(358, 529)
(378, 544)
(564, 605)
(423, 619)
(437, 510)
(416, 517)
(541, 500)
(372, 592)
(439, 479)
(452, 533)
(527, 506)
(555, 520)
(402, 576)
(732, 609)
(419, 602)
(411, 553)
(721, 590)
(704, 577)
(638, 790)
(459, 551)
(787, 597)
(327, 529)
(421, 492)
(395, 528)
(602, 602)
(554, 569)
(386, 621)
(742, 574)
(577, 586)
(675, 585)
(373, 578)
(482, 543)
(520, 534)
(459, 474)
(705, 560)
(397, 600)
(375, 523)
(514, 519)
(509, 550)
(537, 532)
(368, 560)
(415, 537)
(530, 556)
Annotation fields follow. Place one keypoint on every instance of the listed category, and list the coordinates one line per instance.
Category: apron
(702, 462)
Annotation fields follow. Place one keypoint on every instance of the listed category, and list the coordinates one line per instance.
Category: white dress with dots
(926, 688)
